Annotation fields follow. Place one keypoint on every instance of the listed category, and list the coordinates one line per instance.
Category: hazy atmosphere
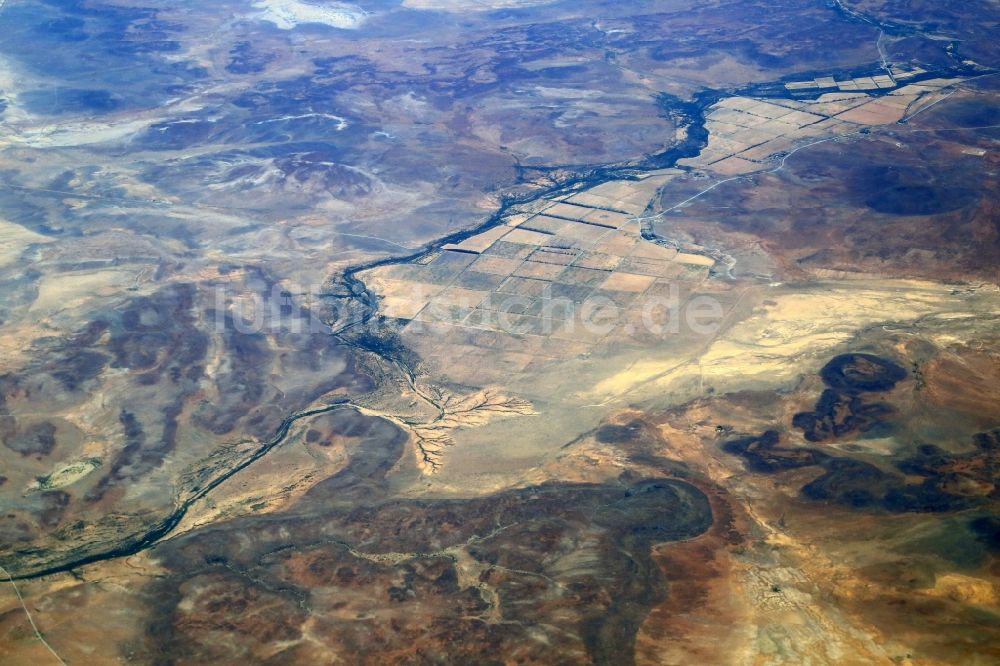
(523, 332)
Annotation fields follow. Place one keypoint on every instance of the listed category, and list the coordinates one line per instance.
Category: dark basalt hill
(861, 373)
(938, 481)
(841, 408)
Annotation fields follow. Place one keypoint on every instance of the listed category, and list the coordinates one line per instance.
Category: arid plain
(523, 332)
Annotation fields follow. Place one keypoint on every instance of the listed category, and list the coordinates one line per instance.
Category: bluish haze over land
(457, 332)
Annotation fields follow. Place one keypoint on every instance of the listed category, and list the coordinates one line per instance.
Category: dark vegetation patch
(980, 111)
(948, 538)
(762, 453)
(949, 482)
(841, 409)
(616, 434)
(987, 531)
(837, 414)
(79, 366)
(36, 439)
(859, 484)
(860, 373)
(893, 187)
(850, 483)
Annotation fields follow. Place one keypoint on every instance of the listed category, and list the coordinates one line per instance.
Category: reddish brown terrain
(527, 332)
